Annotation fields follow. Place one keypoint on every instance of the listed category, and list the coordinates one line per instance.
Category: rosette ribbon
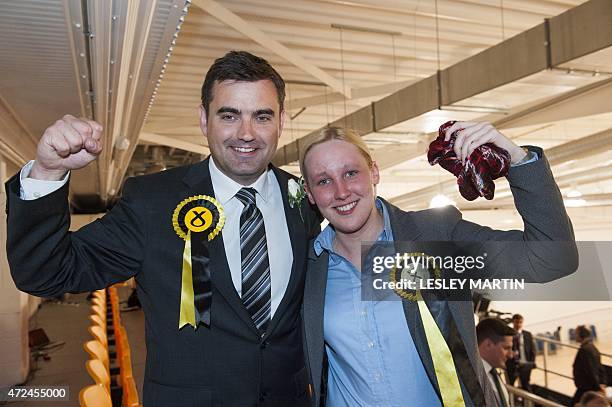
(197, 220)
(441, 355)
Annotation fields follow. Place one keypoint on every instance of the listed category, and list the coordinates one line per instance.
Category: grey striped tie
(256, 283)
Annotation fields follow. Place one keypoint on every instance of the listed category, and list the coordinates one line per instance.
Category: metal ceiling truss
(554, 42)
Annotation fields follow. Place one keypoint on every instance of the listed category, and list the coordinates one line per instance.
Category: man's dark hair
(593, 395)
(241, 66)
(517, 317)
(583, 332)
(494, 329)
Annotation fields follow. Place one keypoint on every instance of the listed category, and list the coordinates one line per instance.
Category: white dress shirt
(33, 188)
(269, 200)
(488, 369)
(522, 354)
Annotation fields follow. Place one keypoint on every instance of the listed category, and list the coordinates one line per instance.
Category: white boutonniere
(296, 193)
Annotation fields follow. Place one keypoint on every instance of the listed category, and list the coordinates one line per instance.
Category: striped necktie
(255, 266)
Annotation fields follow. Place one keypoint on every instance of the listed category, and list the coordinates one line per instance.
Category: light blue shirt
(372, 358)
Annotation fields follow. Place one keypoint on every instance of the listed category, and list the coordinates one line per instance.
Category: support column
(14, 312)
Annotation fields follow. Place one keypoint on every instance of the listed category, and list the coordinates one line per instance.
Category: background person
(589, 374)
(522, 361)
(495, 348)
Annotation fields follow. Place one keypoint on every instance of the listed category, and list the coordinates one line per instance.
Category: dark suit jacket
(588, 370)
(529, 345)
(227, 364)
(539, 202)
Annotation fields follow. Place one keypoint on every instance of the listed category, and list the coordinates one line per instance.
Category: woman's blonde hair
(336, 133)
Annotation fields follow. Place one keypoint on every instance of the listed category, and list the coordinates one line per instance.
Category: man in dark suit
(247, 277)
(523, 357)
(495, 348)
(589, 374)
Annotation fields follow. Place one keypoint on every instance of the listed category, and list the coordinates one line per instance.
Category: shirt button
(377, 376)
(364, 313)
(370, 344)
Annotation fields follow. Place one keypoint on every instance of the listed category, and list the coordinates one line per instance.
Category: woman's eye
(324, 181)
(351, 173)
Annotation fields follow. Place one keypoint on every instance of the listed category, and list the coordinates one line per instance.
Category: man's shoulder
(160, 180)
(282, 174)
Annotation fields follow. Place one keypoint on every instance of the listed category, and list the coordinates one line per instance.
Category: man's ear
(203, 121)
(283, 115)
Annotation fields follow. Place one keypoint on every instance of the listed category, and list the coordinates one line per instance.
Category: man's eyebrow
(227, 109)
(258, 112)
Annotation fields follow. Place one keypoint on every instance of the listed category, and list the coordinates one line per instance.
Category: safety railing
(544, 367)
(529, 399)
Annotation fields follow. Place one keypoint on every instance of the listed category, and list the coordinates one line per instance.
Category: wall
(14, 314)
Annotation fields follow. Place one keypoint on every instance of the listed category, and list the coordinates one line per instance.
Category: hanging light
(574, 202)
(573, 193)
(441, 200)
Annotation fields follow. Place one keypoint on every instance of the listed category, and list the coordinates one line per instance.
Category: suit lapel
(314, 316)
(446, 314)
(199, 182)
(297, 235)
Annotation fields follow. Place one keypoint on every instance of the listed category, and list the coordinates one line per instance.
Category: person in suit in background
(233, 336)
(523, 358)
(495, 348)
(391, 351)
(593, 399)
(589, 373)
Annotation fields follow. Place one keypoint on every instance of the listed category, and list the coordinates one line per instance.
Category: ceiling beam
(539, 48)
(173, 143)
(249, 30)
(16, 143)
(356, 93)
(171, 124)
(141, 90)
(508, 203)
(585, 101)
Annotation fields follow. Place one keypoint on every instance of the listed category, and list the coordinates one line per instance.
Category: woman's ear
(375, 173)
(308, 194)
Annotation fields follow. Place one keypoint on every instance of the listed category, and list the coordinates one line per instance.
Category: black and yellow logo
(420, 266)
(198, 214)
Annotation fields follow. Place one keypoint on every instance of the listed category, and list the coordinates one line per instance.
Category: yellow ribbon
(187, 315)
(446, 373)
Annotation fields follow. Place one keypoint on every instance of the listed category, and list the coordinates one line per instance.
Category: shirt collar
(487, 366)
(226, 188)
(325, 240)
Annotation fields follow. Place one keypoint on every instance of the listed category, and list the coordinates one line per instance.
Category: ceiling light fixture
(441, 200)
(574, 203)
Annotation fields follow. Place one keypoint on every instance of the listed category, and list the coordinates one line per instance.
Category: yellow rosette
(197, 220)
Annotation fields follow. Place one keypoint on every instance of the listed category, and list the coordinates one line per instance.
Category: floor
(561, 362)
(67, 322)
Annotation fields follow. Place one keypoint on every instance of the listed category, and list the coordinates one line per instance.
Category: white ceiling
(366, 49)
